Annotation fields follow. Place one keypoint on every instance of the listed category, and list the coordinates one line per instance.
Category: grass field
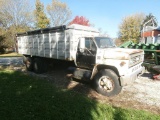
(24, 97)
(10, 54)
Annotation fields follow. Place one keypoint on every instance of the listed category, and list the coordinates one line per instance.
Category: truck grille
(135, 60)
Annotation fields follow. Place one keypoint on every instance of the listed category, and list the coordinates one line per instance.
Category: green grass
(23, 97)
(10, 54)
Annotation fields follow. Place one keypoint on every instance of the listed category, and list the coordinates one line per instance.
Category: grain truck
(96, 57)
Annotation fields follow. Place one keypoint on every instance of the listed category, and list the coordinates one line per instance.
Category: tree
(130, 27)
(41, 19)
(81, 21)
(15, 13)
(102, 33)
(150, 20)
(2, 45)
(14, 17)
(117, 41)
(59, 12)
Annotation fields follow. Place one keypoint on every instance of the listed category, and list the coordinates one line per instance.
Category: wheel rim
(106, 83)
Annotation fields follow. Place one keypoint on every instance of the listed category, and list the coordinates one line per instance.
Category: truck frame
(96, 57)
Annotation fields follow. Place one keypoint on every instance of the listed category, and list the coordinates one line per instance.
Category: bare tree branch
(59, 13)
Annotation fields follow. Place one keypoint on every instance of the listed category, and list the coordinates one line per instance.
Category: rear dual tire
(28, 61)
(38, 65)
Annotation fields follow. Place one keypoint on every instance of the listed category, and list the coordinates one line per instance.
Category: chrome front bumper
(130, 78)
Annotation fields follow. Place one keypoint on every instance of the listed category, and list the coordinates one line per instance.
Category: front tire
(106, 82)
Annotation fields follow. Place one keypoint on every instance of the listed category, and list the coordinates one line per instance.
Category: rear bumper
(130, 78)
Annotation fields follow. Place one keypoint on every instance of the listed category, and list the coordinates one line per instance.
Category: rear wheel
(106, 82)
(24, 59)
(40, 66)
(29, 63)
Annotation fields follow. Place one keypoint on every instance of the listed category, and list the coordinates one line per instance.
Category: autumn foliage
(80, 20)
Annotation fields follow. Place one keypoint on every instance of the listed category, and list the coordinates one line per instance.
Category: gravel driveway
(143, 94)
(146, 90)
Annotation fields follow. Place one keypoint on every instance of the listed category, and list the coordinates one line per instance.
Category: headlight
(131, 61)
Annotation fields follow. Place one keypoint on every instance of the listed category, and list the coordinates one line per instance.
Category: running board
(78, 73)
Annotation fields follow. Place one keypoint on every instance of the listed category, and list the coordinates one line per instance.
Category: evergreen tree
(41, 19)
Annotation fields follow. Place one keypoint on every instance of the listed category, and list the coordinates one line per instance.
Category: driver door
(86, 53)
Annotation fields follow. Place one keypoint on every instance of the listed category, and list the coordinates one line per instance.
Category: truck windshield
(104, 42)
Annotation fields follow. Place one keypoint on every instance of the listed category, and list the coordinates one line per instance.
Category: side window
(87, 43)
(93, 46)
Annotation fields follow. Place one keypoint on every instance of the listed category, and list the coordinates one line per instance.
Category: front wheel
(106, 82)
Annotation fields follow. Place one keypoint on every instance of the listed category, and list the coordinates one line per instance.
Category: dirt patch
(144, 94)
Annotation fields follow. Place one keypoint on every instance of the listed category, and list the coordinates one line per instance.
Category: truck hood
(120, 53)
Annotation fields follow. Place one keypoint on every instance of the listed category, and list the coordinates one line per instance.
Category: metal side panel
(40, 45)
(19, 41)
(26, 45)
(22, 44)
(61, 45)
(41, 51)
(35, 45)
(46, 45)
(73, 44)
(47, 49)
(30, 44)
(67, 51)
(53, 45)
(68, 46)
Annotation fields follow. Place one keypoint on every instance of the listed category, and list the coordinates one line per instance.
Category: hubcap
(106, 83)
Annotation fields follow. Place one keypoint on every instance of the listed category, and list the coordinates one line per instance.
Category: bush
(2, 50)
(2, 47)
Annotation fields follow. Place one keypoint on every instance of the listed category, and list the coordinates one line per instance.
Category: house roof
(150, 28)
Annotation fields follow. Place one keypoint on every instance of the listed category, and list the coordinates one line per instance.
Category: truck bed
(57, 42)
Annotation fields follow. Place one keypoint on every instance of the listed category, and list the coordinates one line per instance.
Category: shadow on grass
(23, 97)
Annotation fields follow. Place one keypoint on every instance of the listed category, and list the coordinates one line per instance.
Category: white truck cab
(108, 64)
(96, 58)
